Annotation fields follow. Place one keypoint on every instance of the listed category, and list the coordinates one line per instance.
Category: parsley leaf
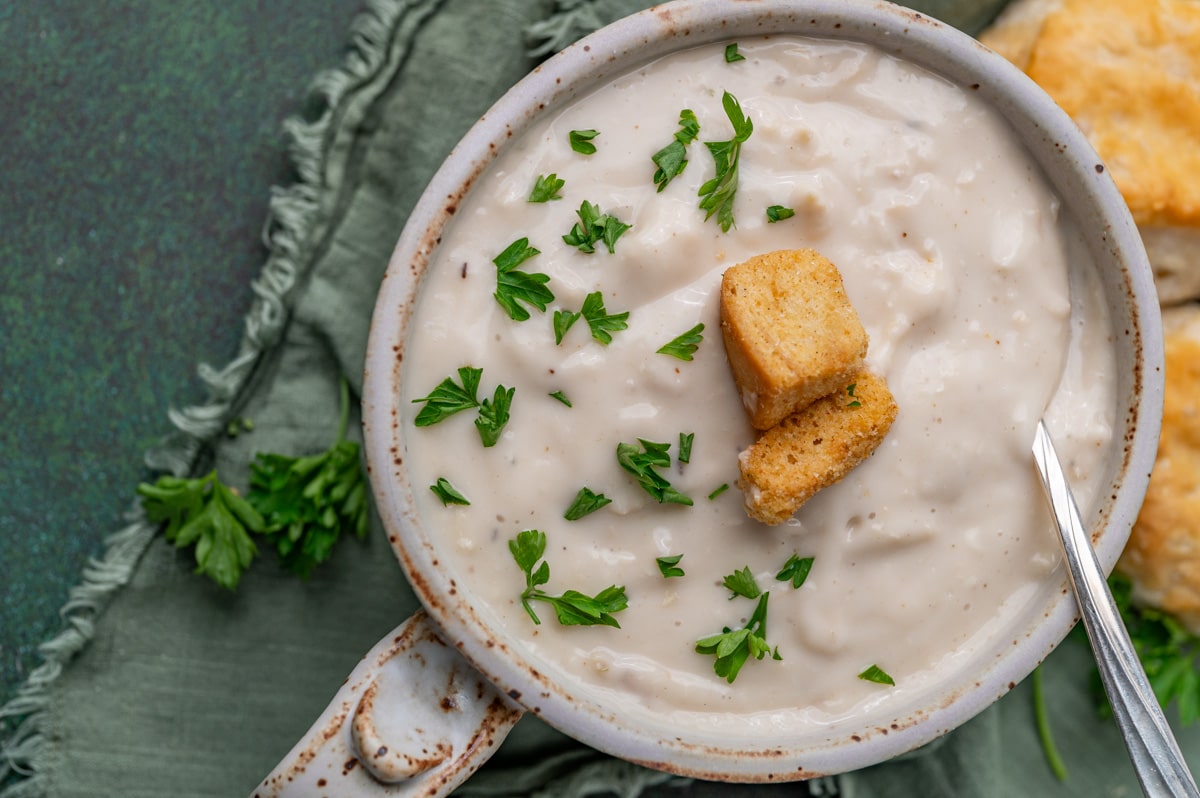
(777, 213)
(546, 188)
(447, 493)
(669, 566)
(741, 583)
(642, 462)
(684, 346)
(733, 647)
(208, 514)
(732, 55)
(586, 502)
(581, 141)
(795, 569)
(854, 401)
(601, 323)
(572, 607)
(562, 397)
(447, 398)
(717, 194)
(672, 159)
(563, 319)
(307, 502)
(685, 447)
(513, 286)
(876, 674)
(594, 226)
(493, 415)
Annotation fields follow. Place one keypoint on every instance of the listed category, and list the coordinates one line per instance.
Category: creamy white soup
(953, 252)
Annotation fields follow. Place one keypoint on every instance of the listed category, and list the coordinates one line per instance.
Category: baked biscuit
(1162, 558)
(1128, 73)
(790, 332)
(814, 448)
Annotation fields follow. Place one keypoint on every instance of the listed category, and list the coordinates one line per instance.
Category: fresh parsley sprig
(514, 286)
(671, 160)
(742, 583)
(642, 462)
(595, 227)
(586, 502)
(581, 141)
(449, 398)
(572, 607)
(876, 674)
(718, 193)
(546, 188)
(777, 213)
(684, 345)
(599, 320)
(669, 566)
(307, 502)
(732, 55)
(795, 570)
(448, 493)
(733, 647)
(208, 514)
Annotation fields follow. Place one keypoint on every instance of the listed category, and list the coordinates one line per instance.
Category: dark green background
(139, 141)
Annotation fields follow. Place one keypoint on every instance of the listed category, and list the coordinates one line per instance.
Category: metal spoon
(1159, 765)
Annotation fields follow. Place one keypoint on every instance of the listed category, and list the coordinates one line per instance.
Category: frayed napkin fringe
(291, 214)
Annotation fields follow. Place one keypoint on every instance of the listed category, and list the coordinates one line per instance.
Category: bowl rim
(615, 49)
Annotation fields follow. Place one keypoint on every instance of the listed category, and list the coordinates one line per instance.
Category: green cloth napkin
(163, 684)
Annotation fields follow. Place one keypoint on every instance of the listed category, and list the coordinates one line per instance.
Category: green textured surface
(139, 140)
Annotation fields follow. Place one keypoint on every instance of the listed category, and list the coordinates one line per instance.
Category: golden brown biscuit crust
(1128, 73)
(1162, 557)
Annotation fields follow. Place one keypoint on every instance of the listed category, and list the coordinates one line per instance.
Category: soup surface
(953, 252)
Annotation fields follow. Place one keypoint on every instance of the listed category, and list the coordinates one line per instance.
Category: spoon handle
(1159, 765)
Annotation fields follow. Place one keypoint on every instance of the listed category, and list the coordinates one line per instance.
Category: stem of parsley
(1045, 735)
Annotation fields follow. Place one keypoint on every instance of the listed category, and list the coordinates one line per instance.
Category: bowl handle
(413, 719)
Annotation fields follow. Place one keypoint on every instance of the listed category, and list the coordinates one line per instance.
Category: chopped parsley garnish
(796, 570)
(685, 447)
(493, 415)
(742, 583)
(586, 502)
(514, 286)
(447, 493)
(641, 463)
(876, 674)
(669, 566)
(672, 159)
(562, 397)
(448, 398)
(777, 213)
(206, 513)
(718, 193)
(593, 227)
(581, 141)
(572, 607)
(724, 486)
(854, 402)
(732, 55)
(733, 647)
(600, 322)
(546, 188)
(684, 346)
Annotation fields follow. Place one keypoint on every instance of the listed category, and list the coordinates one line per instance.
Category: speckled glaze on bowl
(1087, 193)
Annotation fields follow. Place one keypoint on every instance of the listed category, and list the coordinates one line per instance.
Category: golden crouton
(1163, 555)
(790, 332)
(814, 448)
(1128, 73)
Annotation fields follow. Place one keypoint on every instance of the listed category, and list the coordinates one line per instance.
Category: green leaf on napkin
(207, 514)
(307, 502)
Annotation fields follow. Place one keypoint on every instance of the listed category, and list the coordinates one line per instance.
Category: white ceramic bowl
(1088, 194)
